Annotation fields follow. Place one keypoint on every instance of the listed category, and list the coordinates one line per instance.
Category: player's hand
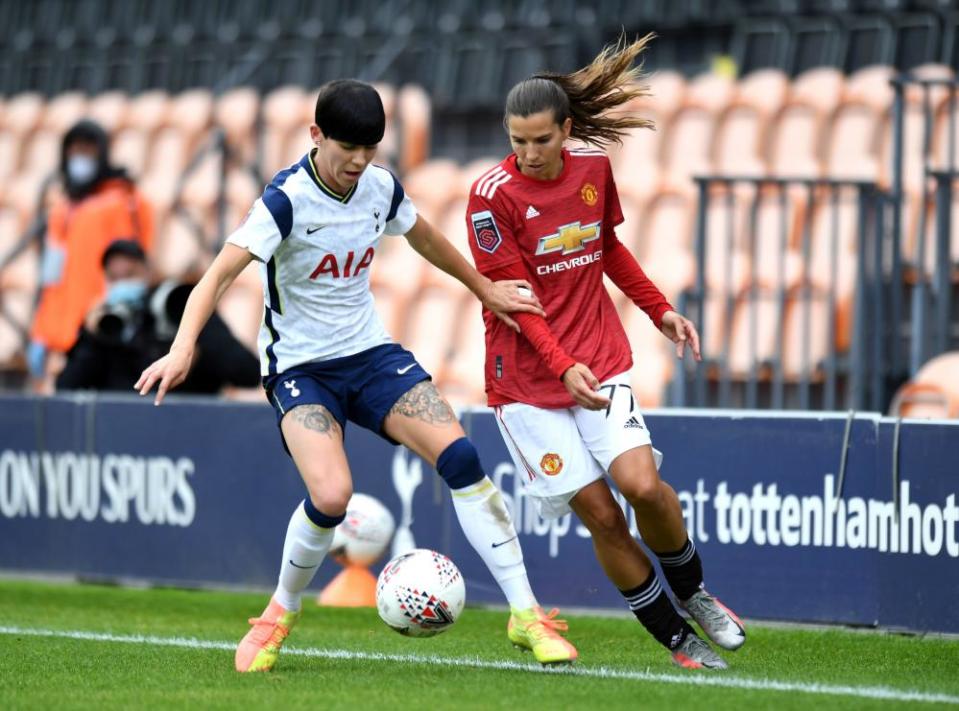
(169, 371)
(510, 295)
(581, 384)
(680, 330)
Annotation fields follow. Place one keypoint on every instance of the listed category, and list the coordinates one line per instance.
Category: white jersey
(316, 248)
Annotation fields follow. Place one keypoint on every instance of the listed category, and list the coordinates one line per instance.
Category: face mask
(126, 291)
(81, 169)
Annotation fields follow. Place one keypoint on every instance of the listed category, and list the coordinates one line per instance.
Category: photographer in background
(100, 204)
(135, 325)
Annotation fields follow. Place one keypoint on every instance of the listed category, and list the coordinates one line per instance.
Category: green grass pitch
(87, 646)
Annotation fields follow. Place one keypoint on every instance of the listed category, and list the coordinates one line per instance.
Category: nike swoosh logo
(302, 567)
(496, 545)
(402, 371)
(311, 230)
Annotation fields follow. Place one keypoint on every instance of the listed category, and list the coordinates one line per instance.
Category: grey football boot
(694, 653)
(718, 622)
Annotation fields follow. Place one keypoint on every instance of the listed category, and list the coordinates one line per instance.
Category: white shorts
(558, 452)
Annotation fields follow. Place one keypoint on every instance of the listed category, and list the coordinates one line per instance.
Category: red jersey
(559, 235)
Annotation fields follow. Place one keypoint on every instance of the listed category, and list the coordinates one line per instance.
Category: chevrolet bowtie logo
(570, 238)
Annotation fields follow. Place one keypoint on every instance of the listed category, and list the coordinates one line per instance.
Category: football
(365, 533)
(420, 593)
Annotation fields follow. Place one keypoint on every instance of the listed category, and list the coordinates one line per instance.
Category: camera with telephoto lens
(120, 320)
(118, 323)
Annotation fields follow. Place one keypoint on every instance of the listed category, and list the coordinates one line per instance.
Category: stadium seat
(852, 134)
(653, 358)
(767, 89)
(914, 139)
(110, 110)
(237, 113)
(463, 379)
(398, 267)
(431, 186)
(41, 152)
(667, 90)
(636, 162)
(794, 139)
(16, 305)
(413, 114)
(129, 148)
(149, 111)
(688, 139)
(64, 110)
(430, 324)
(191, 113)
(282, 114)
(241, 307)
(737, 144)
(932, 392)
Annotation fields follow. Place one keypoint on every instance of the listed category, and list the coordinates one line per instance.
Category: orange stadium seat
(282, 113)
(933, 390)
(851, 148)
(636, 162)
(430, 323)
(386, 154)
(667, 90)
(653, 358)
(17, 307)
(687, 141)
(64, 110)
(191, 113)
(798, 131)
(414, 115)
(463, 380)
(129, 148)
(110, 110)
(391, 306)
(737, 145)
(913, 128)
(432, 186)
(398, 267)
(241, 307)
(149, 111)
(236, 112)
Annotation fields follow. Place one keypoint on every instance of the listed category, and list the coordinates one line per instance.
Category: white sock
(305, 548)
(489, 529)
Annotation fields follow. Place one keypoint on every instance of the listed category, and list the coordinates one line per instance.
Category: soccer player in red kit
(560, 388)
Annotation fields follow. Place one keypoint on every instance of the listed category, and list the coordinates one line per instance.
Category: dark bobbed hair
(350, 111)
(587, 95)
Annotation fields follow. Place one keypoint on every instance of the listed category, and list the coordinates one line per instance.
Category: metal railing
(790, 316)
(929, 270)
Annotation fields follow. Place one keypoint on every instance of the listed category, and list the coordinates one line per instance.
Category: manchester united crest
(589, 194)
(551, 464)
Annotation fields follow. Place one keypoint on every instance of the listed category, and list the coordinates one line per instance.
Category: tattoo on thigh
(425, 403)
(316, 418)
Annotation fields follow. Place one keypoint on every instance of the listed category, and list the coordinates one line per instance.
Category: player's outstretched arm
(171, 370)
(500, 297)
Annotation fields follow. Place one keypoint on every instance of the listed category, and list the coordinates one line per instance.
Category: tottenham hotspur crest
(291, 386)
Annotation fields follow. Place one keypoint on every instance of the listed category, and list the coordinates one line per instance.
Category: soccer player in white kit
(326, 358)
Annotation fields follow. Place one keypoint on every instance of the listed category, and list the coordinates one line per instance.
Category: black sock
(656, 613)
(683, 570)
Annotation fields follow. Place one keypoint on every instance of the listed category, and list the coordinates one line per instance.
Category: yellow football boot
(540, 632)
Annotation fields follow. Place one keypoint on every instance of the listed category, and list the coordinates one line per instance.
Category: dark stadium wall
(199, 493)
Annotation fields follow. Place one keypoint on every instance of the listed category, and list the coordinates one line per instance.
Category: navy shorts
(361, 388)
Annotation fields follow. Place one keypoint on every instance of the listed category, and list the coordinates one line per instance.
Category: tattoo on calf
(423, 402)
(316, 418)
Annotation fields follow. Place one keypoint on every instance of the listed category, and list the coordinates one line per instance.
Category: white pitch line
(719, 680)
